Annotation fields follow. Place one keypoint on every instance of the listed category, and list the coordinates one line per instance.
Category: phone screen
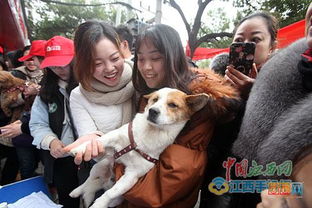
(242, 56)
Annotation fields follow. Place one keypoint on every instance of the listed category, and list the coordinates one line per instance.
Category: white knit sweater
(89, 117)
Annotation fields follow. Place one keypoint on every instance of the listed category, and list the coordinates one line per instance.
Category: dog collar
(133, 146)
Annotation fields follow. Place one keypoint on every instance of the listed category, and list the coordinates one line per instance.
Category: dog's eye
(155, 100)
(172, 105)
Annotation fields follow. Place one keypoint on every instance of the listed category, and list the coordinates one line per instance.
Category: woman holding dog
(175, 179)
(51, 124)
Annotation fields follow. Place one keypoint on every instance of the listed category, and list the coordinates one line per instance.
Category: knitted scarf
(305, 68)
(33, 76)
(120, 94)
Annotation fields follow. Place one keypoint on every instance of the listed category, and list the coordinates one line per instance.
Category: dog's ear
(197, 102)
(148, 95)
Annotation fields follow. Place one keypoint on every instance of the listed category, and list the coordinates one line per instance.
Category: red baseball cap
(59, 51)
(36, 49)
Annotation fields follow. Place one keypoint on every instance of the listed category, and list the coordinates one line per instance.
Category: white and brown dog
(137, 145)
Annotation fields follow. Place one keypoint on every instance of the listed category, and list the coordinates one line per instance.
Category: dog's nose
(153, 114)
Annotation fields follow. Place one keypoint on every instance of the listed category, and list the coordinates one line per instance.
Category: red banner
(285, 36)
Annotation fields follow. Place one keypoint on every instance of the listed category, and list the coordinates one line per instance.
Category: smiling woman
(108, 63)
(102, 102)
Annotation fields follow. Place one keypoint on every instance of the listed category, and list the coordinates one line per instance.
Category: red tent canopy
(13, 32)
(285, 36)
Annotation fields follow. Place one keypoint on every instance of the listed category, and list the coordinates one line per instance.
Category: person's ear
(273, 47)
(125, 44)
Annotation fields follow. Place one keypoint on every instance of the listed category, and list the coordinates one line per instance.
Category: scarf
(119, 94)
(33, 76)
(305, 69)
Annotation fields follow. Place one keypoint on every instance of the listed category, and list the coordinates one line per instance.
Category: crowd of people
(81, 89)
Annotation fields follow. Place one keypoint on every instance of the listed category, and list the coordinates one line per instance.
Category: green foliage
(286, 11)
(218, 22)
(203, 63)
(53, 19)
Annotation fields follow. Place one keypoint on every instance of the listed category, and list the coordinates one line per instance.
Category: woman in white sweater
(103, 100)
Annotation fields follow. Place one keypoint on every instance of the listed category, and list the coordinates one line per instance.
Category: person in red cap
(37, 49)
(18, 131)
(51, 124)
(32, 57)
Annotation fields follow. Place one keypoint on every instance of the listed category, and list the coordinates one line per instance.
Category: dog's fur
(165, 115)
(8, 99)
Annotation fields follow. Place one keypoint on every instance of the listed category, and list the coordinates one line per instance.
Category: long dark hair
(49, 84)
(168, 43)
(87, 35)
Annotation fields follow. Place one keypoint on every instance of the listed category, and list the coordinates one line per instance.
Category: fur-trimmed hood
(278, 119)
(224, 98)
(219, 63)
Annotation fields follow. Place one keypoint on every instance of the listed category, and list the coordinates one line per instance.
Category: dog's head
(170, 106)
(7, 80)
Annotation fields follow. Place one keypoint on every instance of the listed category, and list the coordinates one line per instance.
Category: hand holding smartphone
(242, 56)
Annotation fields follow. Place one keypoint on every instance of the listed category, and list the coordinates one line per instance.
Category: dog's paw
(98, 205)
(76, 192)
(101, 202)
(80, 148)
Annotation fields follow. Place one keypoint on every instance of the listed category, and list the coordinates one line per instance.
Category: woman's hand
(241, 81)
(12, 130)
(271, 201)
(32, 89)
(57, 148)
(93, 149)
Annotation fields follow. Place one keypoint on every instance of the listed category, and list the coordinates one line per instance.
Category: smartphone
(242, 56)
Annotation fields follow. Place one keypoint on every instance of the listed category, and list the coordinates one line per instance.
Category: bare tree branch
(103, 4)
(199, 14)
(178, 8)
(193, 40)
(210, 36)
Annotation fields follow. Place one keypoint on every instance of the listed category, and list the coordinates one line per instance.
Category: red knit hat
(59, 51)
(36, 49)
